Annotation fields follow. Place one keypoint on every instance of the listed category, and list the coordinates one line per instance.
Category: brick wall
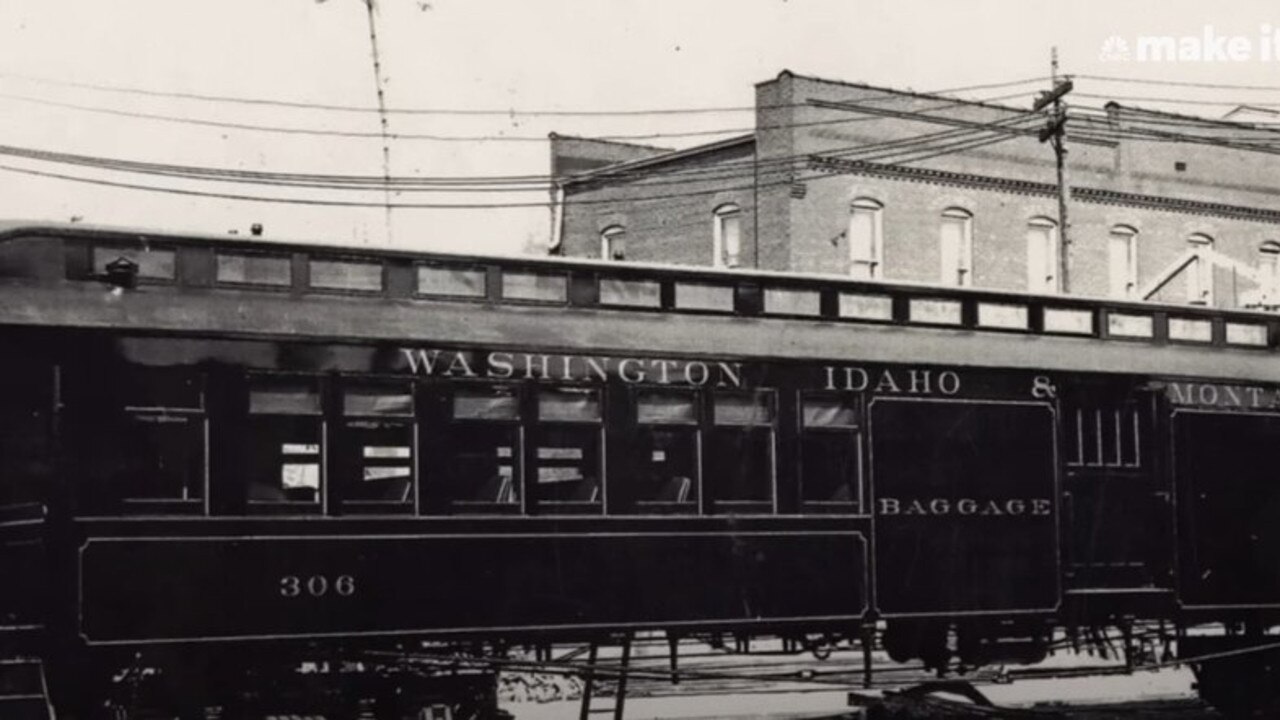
(668, 211)
(796, 213)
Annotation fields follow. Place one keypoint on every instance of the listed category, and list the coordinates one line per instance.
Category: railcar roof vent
(123, 273)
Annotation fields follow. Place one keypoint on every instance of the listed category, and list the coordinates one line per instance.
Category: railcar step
(21, 677)
(23, 690)
(25, 708)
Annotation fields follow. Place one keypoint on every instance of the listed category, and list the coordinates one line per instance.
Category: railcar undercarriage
(1236, 668)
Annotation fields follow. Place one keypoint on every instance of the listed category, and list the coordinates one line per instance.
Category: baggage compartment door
(965, 507)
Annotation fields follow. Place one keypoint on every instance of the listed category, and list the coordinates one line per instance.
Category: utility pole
(372, 10)
(1055, 131)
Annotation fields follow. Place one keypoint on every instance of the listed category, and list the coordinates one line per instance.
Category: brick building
(884, 184)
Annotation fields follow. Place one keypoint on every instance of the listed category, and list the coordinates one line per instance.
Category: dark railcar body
(262, 447)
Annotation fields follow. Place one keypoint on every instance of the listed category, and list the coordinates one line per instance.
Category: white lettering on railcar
(499, 365)
(891, 381)
(317, 586)
(1242, 397)
(943, 507)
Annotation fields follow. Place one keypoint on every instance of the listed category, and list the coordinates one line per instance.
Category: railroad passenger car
(226, 466)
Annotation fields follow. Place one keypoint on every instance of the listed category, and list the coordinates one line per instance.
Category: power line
(1176, 83)
(504, 112)
(361, 204)
(1175, 101)
(458, 206)
(742, 170)
(421, 136)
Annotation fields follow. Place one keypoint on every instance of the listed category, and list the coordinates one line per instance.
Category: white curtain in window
(1122, 263)
(730, 237)
(955, 249)
(864, 240)
(1200, 272)
(1042, 256)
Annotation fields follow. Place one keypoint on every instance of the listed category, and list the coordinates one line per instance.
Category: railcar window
(451, 281)
(634, 293)
(153, 263)
(285, 453)
(146, 444)
(568, 454)
(780, 301)
(699, 296)
(478, 457)
(346, 275)
(663, 474)
(866, 307)
(535, 287)
(1104, 438)
(254, 269)
(1190, 330)
(830, 453)
(738, 455)
(375, 453)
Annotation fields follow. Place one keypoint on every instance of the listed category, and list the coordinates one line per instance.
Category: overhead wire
(410, 184)
(913, 153)
(1174, 83)
(506, 112)
(398, 135)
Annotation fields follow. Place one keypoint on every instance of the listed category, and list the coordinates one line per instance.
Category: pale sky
(511, 55)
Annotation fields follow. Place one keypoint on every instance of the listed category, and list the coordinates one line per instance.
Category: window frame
(856, 505)
(694, 427)
(320, 507)
(249, 255)
(443, 391)
(129, 252)
(338, 437)
(712, 505)
(533, 426)
(608, 236)
(196, 414)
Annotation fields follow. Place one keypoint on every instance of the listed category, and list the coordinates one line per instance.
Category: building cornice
(1099, 196)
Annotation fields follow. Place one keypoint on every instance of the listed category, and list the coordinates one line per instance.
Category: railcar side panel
(1229, 507)
(965, 497)
(165, 589)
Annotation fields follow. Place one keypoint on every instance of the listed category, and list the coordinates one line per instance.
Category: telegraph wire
(884, 149)
(503, 112)
(1176, 101)
(1142, 130)
(1177, 83)
(186, 120)
(1149, 117)
(378, 205)
(450, 206)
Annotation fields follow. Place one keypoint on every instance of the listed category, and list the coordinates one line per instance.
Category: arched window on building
(613, 243)
(866, 244)
(727, 236)
(1042, 256)
(1122, 262)
(1269, 271)
(956, 245)
(1200, 272)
